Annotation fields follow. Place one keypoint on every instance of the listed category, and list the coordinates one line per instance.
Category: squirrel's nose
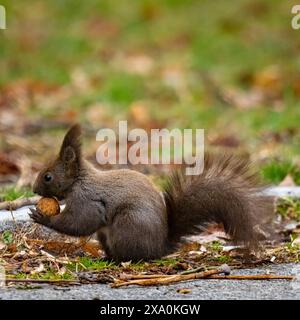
(35, 188)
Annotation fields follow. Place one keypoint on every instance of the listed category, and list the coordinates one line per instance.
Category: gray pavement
(200, 289)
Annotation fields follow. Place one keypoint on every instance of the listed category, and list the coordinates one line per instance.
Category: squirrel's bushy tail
(226, 192)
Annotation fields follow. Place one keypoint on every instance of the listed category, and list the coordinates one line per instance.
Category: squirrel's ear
(70, 150)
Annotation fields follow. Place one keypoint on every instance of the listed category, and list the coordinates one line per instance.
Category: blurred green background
(230, 67)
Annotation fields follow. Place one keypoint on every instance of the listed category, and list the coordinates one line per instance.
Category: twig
(192, 270)
(225, 269)
(153, 276)
(42, 281)
(252, 277)
(14, 220)
(18, 203)
(153, 281)
(142, 276)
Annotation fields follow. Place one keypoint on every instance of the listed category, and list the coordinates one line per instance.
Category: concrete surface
(200, 289)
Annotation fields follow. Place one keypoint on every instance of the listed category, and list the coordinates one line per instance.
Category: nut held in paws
(48, 206)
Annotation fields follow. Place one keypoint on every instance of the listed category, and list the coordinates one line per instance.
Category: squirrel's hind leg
(132, 238)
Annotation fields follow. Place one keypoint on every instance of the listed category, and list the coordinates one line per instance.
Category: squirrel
(134, 220)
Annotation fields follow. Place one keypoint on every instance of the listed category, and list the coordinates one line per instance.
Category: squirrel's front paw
(38, 217)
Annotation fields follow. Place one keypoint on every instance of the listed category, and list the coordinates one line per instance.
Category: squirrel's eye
(48, 177)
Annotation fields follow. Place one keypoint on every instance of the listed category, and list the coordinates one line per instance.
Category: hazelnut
(48, 206)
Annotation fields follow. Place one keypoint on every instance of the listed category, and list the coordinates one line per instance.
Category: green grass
(122, 89)
(215, 246)
(7, 237)
(232, 41)
(275, 171)
(166, 262)
(223, 259)
(91, 264)
(139, 266)
(289, 208)
(49, 274)
(12, 193)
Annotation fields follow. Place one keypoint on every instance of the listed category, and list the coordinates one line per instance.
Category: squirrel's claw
(38, 217)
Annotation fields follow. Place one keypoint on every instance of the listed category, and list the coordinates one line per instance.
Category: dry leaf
(183, 291)
(297, 241)
(126, 264)
(93, 248)
(139, 114)
(173, 76)
(2, 245)
(39, 269)
(288, 181)
(230, 248)
(80, 80)
(62, 271)
(193, 253)
(97, 114)
(7, 165)
(230, 141)
(269, 79)
(243, 100)
(207, 238)
(203, 249)
(99, 27)
(137, 64)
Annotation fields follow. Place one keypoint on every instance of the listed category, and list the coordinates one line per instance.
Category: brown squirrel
(132, 219)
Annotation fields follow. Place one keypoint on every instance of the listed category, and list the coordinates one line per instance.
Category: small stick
(252, 277)
(14, 220)
(19, 203)
(225, 269)
(172, 278)
(142, 276)
(154, 276)
(192, 270)
(42, 281)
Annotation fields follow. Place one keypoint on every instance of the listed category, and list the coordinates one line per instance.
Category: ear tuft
(71, 146)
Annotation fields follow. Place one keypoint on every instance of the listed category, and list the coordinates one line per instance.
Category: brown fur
(226, 192)
(133, 221)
